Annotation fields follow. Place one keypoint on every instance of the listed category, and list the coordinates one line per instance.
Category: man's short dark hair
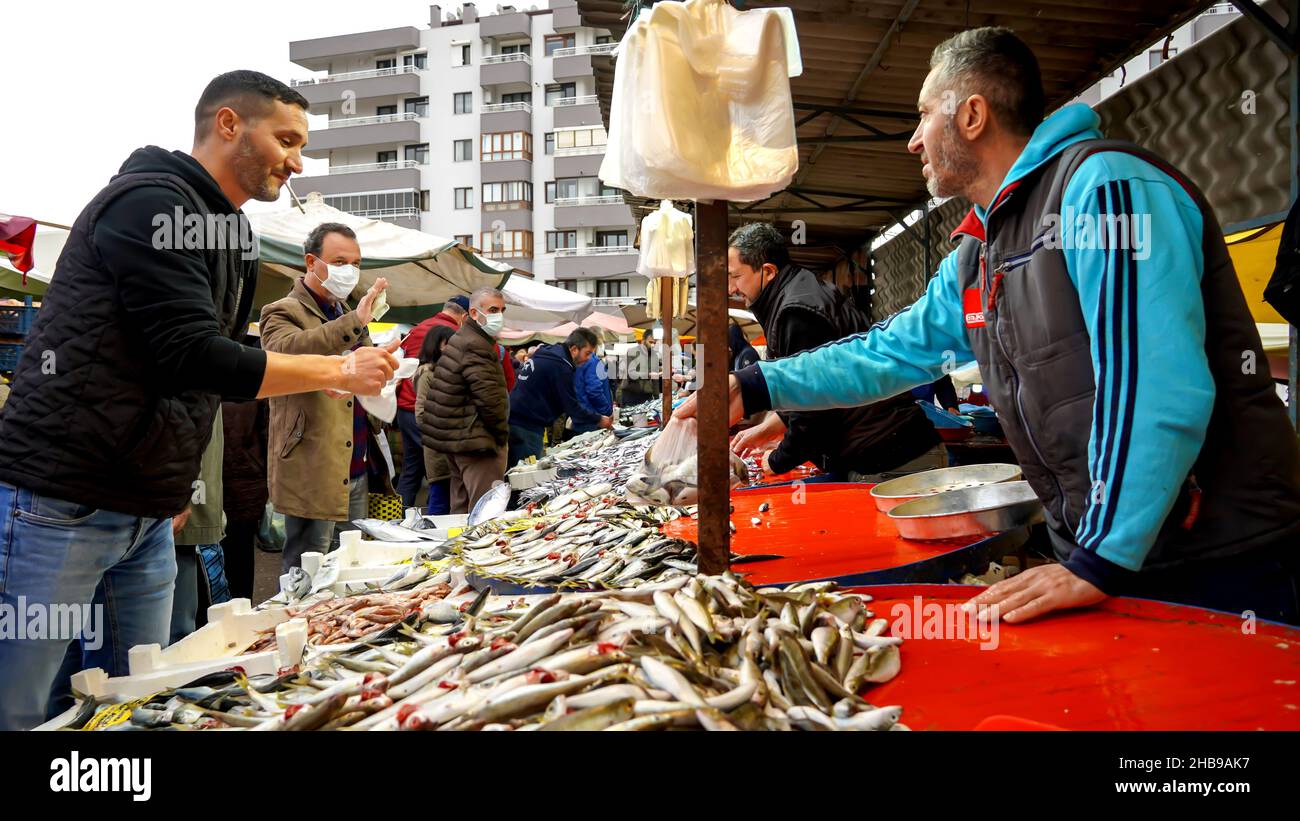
(249, 93)
(994, 62)
(581, 338)
(759, 243)
(316, 239)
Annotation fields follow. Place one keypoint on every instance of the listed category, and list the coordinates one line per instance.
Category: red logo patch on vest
(973, 308)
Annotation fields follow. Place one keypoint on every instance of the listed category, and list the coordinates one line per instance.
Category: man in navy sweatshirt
(544, 390)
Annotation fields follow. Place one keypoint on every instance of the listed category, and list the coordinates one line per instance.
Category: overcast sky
(87, 83)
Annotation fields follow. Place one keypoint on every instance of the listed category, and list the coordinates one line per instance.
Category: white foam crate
(358, 558)
(524, 479)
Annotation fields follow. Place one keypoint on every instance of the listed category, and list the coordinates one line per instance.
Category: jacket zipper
(1020, 410)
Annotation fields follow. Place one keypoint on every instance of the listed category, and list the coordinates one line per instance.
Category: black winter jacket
(134, 346)
(544, 390)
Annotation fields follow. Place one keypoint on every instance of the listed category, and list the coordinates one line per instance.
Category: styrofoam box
(524, 479)
(363, 559)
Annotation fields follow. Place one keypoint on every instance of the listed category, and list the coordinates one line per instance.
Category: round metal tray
(974, 511)
(888, 495)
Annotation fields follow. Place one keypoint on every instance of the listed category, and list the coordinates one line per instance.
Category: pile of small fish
(342, 619)
(706, 652)
(614, 462)
(582, 539)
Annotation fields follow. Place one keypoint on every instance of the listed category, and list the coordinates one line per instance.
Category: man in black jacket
(544, 390)
(114, 398)
(799, 312)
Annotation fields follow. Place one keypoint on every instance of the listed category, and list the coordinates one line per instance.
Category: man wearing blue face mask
(320, 445)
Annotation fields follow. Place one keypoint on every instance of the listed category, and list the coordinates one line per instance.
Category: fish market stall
(1126, 664)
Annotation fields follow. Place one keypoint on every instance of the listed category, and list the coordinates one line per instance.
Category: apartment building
(480, 126)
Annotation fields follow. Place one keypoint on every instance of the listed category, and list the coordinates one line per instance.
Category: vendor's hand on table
(179, 521)
(366, 307)
(366, 370)
(606, 421)
(735, 404)
(759, 437)
(1035, 592)
(766, 464)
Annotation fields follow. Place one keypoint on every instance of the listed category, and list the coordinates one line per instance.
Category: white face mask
(492, 324)
(341, 280)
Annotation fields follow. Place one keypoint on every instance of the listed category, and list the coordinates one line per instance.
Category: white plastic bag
(668, 475)
(667, 243)
(384, 406)
(701, 107)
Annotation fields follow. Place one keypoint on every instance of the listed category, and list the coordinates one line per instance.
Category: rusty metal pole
(666, 316)
(711, 352)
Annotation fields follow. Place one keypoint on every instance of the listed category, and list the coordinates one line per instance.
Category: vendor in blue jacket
(591, 384)
(544, 390)
(1092, 285)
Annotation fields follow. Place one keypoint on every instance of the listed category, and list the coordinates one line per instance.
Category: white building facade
(483, 127)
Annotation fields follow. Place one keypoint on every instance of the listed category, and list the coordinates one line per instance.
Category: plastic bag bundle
(669, 475)
(701, 106)
(667, 243)
(384, 406)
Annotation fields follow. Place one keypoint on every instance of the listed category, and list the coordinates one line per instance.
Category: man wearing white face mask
(467, 407)
(319, 455)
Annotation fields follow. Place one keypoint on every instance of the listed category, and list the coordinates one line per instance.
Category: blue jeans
(408, 484)
(114, 568)
(439, 497)
(524, 442)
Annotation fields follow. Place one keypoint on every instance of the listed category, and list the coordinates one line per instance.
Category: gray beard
(954, 169)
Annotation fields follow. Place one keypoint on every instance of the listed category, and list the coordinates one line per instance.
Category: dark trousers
(239, 546)
(1265, 582)
(524, 442)
(408, 484)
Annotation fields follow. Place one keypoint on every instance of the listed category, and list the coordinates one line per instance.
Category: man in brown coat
(319, 442)
(468, 407)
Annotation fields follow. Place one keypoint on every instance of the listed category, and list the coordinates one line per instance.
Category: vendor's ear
(769, 272)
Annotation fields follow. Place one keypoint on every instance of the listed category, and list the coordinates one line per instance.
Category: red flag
(16, 237)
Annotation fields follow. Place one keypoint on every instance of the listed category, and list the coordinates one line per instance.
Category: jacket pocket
(295, 434)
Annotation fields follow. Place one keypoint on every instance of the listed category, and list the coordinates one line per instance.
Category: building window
(506, 244)
(517, 97)
(561, 91)
(419, 106)
(462, 102)
(386, 158)
(566, 188)
(550, 191)
(581, 138)
(602, 39)
(555, 42)
(464, 198)
(561, 239)
(608, 190)
(378, 205)
(420, 61)
(385, 110)
(611, 288)
(388, 63)
(424, 199)
(465, 239)
(418, 153)
(460, 54)
(518, 48)
(611, 239)
(503, 196)
(462, 150)
(567, 284)
(506, 145)
(550, 142)
(1155, 56)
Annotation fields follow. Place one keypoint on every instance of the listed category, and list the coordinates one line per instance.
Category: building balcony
(570, 67)
(586, 111)
(506, 69)
(354, 132)
(566, 16)
(315, 54)
(505, 170)
(588, 212)
(579, 162)
(614, 301)
(507, 216)
(405, 217)
(346, 179)
(501, 26)
(595, 261)
(500, 117)
(322, 92)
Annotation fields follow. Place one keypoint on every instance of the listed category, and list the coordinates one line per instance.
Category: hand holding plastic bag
(384, 406)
